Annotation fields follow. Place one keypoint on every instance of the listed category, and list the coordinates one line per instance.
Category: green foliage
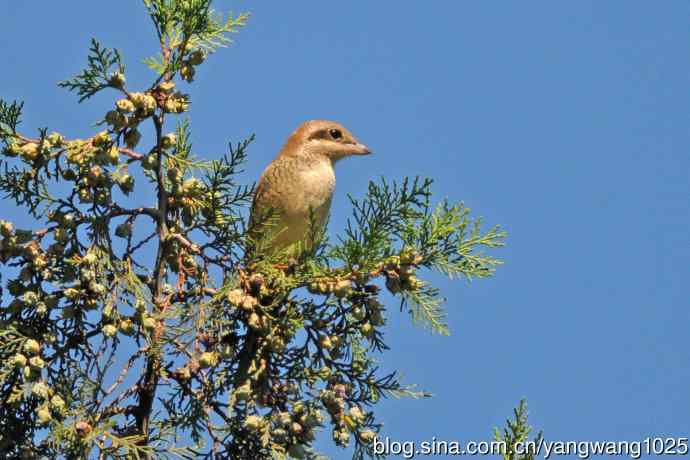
(184, 25)
(97, 75)
(395, 230)
(10, 117)
(155, 331)
(379, 218)
(223, 221)
(517, 431)
(450, 241)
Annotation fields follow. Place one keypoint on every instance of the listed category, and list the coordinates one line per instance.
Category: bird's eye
(335, 133)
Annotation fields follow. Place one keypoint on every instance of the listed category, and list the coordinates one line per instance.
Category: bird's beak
(361, 149)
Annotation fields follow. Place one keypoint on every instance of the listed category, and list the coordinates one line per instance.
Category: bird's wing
(255, 229)
(262, 196)
(258, 198)
(266, 198)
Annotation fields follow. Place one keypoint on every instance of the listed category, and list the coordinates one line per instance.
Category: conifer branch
(211, 349)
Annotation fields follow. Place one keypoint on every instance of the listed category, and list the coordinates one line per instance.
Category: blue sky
(565, 122)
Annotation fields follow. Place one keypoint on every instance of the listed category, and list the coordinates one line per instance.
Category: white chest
(315, 186)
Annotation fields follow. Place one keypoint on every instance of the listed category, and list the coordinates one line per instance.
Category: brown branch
(131, 153)
(182, 296)
(149, 382)
(125, 151)
(152, 212)
(124, 372)
(195, 248)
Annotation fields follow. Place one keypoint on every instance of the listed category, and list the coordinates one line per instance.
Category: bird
(294, 193)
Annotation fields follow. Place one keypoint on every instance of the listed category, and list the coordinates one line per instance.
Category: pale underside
(298, 191)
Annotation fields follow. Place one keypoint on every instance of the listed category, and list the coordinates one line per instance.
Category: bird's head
(323, 138)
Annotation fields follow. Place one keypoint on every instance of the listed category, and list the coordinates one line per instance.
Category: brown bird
(296, 189)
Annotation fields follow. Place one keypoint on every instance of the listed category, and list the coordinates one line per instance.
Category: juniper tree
(517, 432)
(205, 349)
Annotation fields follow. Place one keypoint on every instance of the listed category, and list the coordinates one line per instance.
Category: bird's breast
(299, 189)
(315, 186)
(296, 185)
